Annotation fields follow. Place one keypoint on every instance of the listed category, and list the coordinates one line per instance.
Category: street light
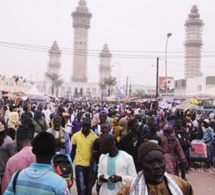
(168, 35)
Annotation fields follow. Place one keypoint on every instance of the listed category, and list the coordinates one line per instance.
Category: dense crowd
(119, 148)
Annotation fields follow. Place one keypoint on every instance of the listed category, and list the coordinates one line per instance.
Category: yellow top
(83, 147)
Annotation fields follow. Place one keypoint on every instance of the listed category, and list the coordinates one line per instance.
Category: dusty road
(202, 181)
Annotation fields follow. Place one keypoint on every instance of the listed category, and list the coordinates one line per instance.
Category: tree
(139, 93)
(110, 82)
(53, 77)
(102, 86)
(58, 83)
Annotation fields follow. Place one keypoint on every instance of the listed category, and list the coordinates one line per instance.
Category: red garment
(172, 152)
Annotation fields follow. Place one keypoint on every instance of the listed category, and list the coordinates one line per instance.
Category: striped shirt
(38, 179)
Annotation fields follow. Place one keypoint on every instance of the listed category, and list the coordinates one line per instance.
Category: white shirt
(121, 165)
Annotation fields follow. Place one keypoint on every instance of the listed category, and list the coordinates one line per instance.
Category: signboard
(166, 88)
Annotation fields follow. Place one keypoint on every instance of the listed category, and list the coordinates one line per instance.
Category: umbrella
(141, 100)
(37, 98)
(11, 96)
(110, 99)
(130, 98)
(49, 95)
(192, 101)
(185, 106)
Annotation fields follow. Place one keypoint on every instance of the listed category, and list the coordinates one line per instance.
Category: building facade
(193, 44)
(194, 86)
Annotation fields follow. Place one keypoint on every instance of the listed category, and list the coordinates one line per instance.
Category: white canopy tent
(34, 91)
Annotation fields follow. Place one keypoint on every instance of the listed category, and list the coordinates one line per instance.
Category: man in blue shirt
(39, 177)
(207, 137)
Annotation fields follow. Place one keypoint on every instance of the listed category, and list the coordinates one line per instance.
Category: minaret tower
(105, 63)
(193, 44)
(54, 59)
(81, 24)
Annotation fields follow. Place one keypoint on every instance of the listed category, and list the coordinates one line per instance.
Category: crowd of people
(117, 148)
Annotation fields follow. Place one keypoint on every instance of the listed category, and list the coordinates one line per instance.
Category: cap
(206, 120)
(86, 120)
(23, 132)
(102, 111)
(57, 117)
(147, 147)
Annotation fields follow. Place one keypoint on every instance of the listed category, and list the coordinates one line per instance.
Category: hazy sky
(133, 29)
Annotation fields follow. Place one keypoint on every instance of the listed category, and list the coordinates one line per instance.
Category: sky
(134, 30)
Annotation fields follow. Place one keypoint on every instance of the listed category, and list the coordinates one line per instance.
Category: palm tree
(102, 86)
(139, 93)
(110, 82)
(53, 77)
(58, 83)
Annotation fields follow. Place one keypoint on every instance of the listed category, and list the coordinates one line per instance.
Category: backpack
(183, 139)
(62, 165)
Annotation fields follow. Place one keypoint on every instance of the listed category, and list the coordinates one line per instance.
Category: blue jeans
(82, 179)
(213, 160)
(187, 156)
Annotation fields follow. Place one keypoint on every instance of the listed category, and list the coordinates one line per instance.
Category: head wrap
(147, 147)
(23, 132)
(168, 127)
(211, 115)
(102, 111)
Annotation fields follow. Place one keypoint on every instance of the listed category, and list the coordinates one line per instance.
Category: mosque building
(79, 86)
(194, 82)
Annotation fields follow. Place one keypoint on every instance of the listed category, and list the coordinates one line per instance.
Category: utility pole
(167, 38)
(130, 90)
(127, 86)
(157, 77)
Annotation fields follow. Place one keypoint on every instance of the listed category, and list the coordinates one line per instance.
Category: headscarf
(168, 128)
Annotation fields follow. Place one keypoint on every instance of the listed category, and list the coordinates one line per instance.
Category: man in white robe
(116, 167)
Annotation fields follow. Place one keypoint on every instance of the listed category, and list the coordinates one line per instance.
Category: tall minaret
(81, 24)
(54, 59)
(105, 63)
(193, 44)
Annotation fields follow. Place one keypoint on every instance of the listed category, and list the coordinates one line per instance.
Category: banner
(166, 87)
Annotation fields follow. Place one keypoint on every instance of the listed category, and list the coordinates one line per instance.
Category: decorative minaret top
(105, 63)
(194, 13)
(54, 49)
(54, 59)
(81, 24)
(81, 17)
(193, 44)
(105, 52)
